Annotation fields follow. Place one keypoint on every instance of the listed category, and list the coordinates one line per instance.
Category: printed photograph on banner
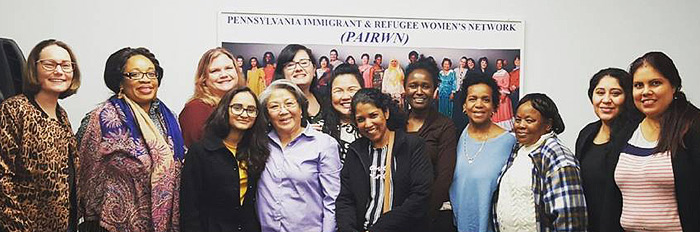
(382, 49)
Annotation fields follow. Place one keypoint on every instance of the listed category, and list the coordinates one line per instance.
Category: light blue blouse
(473, 183)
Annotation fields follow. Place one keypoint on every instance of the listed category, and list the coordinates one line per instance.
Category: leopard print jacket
(34, 169)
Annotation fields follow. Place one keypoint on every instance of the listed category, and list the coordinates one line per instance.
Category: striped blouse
(646, 181)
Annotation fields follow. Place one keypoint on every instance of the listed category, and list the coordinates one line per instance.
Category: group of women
(289, 159)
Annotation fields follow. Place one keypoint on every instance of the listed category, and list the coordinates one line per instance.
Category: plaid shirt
(556, 184)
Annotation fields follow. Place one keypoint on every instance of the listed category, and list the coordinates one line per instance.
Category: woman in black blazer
(220, 173)
(384, 148)
(610, 93)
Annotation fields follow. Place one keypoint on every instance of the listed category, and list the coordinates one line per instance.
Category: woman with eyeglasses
(220, 176)
(539, 188)
(37, 146)
(256, 77)
(298, 67)
(657, 175)
(217, 73)
(387, 177)
(301, 180)
(131, 151)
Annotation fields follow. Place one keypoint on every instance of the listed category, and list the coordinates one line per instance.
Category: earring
(120, 95)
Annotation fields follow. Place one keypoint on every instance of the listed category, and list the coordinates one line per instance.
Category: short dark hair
(488, 81)
(377, 56)
(448, 61)
(328, 62)
(397, 119)
(680, 115)
(333, 50)
(240, 57)
(425, 64)
(114, 68)
(363, 56)
(30, 78)
(547, 108)
(348, 59)
(413, 53)
(253, 147)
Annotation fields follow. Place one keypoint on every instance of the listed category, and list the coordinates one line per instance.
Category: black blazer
(686, 172)
(210, 191)
(412, 178)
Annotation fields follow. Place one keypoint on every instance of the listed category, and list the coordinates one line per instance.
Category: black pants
(443, 222)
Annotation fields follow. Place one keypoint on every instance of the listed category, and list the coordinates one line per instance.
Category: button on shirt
(298, 188)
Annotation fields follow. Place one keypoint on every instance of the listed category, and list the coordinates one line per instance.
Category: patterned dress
(34, 167)
(446, 87)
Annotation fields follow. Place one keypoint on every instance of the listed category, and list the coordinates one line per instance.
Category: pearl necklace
(470, 159)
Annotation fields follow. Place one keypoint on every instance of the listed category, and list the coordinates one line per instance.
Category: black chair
(12, 62)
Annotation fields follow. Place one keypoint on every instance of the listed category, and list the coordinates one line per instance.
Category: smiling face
(445, 65)
(394, 63)
(239, 62)
(499, 64)
(470, 64)
(57, 81)
(652, 92)
(371, 121)
(478, 105)
(254, 63)
(516, 62)
(463, 63)
(343, 88)
(143, 90)
(419, 89)
(334, 55)
(378, 61)
(483, 64)
(300, 76)
(324, 63)
(222, 75)
(529, 124)
(284, 112)
(244, 120)
(365, 60)
(608, 98)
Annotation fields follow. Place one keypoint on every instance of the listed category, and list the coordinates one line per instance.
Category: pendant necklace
(470, 159)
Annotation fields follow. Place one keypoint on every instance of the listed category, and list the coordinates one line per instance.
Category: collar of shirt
(307, 132)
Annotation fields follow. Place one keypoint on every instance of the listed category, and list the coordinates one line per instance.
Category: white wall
(566, 42)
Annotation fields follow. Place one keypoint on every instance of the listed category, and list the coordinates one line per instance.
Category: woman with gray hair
(301, 180)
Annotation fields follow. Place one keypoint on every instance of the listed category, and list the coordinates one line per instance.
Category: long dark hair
(680, 114)
(252, 149)
(546, 106)
(627, 109)
(397, 119)
(330, 115)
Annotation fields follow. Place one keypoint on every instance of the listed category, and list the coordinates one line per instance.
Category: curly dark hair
(114, 68)
(253, 147)
(397, 119)
(490, 82)
(426, 64)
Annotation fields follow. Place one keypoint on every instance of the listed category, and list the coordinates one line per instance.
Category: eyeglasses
(238, 109)
(50, 65)
(139, 75)
(304, 63)
(276, 108)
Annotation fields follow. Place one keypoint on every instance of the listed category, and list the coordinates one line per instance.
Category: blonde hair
(201, 90)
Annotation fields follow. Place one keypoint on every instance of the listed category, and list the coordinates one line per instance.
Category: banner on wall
(491, 47)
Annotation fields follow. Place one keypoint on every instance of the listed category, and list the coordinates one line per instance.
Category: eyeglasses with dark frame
(50, 65)
(304, 63)
(238, 109)
(136, 75)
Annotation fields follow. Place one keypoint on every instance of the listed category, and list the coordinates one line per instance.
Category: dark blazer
(412, 178)
(210, 191)
(686, 172)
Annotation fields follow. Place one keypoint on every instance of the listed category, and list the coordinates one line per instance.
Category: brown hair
(201, 91)
(31, 85)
